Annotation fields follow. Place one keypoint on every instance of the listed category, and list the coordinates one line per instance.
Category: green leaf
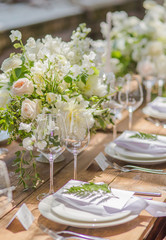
(116, 54)
(88, 188)
(68, 79)
(142, 135)
(18, 72)
(17, 45)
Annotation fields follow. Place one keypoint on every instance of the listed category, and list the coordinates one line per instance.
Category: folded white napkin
(157, 146)
(121, 200)
(159, 104)
(96, 202)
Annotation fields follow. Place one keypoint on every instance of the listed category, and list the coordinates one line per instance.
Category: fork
(56, 235)
(130, 168)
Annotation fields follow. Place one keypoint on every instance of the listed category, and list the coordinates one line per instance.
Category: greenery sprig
(142, 135)
(89, 188)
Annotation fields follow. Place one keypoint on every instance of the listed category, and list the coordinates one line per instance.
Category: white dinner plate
(154, 113)
(45, 210)
(71, 213)
(4, 136)
(135, 155)
(109, 149)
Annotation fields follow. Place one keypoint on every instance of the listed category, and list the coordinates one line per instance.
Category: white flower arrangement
(47, 76)
(135, 41)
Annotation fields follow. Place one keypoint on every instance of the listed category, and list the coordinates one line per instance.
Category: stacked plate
(122, 154)
(156, 108)
(65, 214)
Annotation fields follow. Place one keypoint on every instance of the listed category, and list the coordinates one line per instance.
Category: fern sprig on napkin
(144, 136)
(88, 188)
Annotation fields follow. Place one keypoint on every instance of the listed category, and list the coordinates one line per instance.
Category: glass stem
(130, 119)
(148, 94)
(51, 191)
(75, 166)
(114, 131)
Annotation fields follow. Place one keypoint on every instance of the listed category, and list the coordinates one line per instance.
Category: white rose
(146, 68)
(29, 109)
(22, 86)
(15, 35)
(28, 143)
(4, 97)
(25, 127)
(11, 63)
(50, 97)
(41, 145)
(154, 48)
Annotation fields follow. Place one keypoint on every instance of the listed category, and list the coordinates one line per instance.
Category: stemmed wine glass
(76, 135)
(115, 106)
(48, 142)
(131, 95)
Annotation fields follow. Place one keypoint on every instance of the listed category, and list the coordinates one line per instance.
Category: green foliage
(142, 135)
(89, 188)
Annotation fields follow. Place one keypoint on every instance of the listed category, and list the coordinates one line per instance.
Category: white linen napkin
(157, 146)
(159, 104)
(125, 201)
(96, 202)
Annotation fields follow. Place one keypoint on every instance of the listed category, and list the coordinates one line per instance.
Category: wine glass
(48, 142)
(76, 135)
(115, 106)
(131, 95)
(5, 189)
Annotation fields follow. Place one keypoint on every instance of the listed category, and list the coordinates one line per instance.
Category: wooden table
(143, 227)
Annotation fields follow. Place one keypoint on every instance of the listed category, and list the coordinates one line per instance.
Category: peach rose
(22, 86)
(29, 109)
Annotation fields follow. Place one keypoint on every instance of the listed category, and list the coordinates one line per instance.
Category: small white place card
(24, 216)
(101, 161)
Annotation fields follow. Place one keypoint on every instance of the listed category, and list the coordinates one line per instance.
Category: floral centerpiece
(47, 76)
(139, 45)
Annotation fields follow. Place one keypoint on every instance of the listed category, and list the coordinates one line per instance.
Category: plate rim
(138, 157)
(146, 110)
(107, 218)
(130, 160)
(47, 214)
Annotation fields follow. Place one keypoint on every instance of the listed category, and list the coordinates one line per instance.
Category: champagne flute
(76, 135)
(48, 142)
(131, 95)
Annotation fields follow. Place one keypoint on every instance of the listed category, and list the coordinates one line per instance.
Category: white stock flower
(50, 97)
(26, 127)
(154, 48)
(11, 63)
(15, 35)
(160, 62)
(28, 143)
(22, 86)
(4, 97)
(29, 109)
(93, 86)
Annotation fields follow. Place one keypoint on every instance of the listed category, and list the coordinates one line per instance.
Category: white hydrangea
(26, 127)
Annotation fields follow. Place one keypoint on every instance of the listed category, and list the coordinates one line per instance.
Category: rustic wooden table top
(143, 227)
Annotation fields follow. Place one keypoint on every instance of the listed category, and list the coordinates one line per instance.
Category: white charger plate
(135, 155)
(4, 136)
(74, 214)
(109, 149)
(45, 209)
(153, 113)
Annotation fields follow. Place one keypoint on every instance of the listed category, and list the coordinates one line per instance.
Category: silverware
(57, 235)
(130, 168)
(156, 122)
